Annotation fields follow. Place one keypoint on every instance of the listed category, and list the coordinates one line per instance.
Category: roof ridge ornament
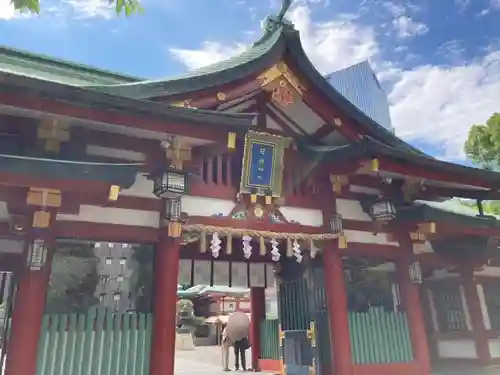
(285, 6)
(271, 23)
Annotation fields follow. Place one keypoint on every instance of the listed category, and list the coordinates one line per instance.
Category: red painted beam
(21, 180)
(207, 98)
(50, 107)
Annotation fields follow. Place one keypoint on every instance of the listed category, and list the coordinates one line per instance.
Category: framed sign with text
(262, 172)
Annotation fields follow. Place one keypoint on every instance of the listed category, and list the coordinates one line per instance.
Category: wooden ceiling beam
(324, 131)
(287, 118)
(216, 95)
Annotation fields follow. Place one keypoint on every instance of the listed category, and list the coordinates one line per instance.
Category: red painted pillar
(410, 296)
(27, 315)
(335, 288)
(476, 315)
(257, 312)
(164, 310)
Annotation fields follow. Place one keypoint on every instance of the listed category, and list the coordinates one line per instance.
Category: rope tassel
(262, 243)
(229, 244)
(203, 242)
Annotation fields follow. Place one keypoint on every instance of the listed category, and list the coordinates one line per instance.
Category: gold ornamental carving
(183, 104)
(276, 75)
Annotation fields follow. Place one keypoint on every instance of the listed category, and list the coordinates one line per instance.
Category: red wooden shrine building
(116, 189)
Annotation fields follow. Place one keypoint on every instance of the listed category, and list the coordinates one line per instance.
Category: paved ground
(463, 369)
(204, 360)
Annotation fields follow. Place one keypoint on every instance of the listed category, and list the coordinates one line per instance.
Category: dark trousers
(239, 352)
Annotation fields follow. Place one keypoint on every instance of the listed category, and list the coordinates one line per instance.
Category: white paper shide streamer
(215, 245)
(297, 253)
(275, 252)
(247, 246)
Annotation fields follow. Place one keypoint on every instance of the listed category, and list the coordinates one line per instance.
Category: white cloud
(402, 21)
(431, 104)
(331, 45)
(406, 27)
(211, 52)
(80, 9)
(437, 104)
(7, 10)
(91, 8)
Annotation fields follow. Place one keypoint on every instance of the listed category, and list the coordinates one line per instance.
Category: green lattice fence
(380, 337)
(269, 339)
(90, 344)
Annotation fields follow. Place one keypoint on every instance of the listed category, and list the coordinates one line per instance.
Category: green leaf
(483, 143)
(129, 7)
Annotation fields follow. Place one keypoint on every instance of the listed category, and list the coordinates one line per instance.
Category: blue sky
(438, 60)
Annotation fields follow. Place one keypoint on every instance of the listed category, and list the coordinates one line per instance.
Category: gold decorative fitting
(258, 211)
(231, 140)
(417, 236)
(174, 229)
(183, 104)
(280, 70)
(311, 334)
(375, 165)
(53, 129)
(44, 197)
(338, 182)
(282, 67)
(41, 219)
(114, 191)
(337, 121)
(269, 199)
(429, 228)
(52, 145)
(253, 198)
(221, 96)
(342, 242)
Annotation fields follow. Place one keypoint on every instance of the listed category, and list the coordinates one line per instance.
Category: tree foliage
(128, 7)
(483, 149)
(483, 143)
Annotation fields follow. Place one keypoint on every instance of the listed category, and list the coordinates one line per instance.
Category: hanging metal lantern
(383, 210)
(169, 183)
(172, 209)
(415, 272)
(37, 255)
(336, 223)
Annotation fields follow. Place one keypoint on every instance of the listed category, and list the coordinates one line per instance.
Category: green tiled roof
(198, 290)
(450, 211)
(254, 59)
(50, 69)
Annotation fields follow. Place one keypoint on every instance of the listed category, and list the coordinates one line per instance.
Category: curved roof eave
(375, 129)
(94, 99)
(255, 59)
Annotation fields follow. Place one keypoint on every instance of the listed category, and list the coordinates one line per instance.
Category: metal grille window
(449, 308)
(492, 299)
